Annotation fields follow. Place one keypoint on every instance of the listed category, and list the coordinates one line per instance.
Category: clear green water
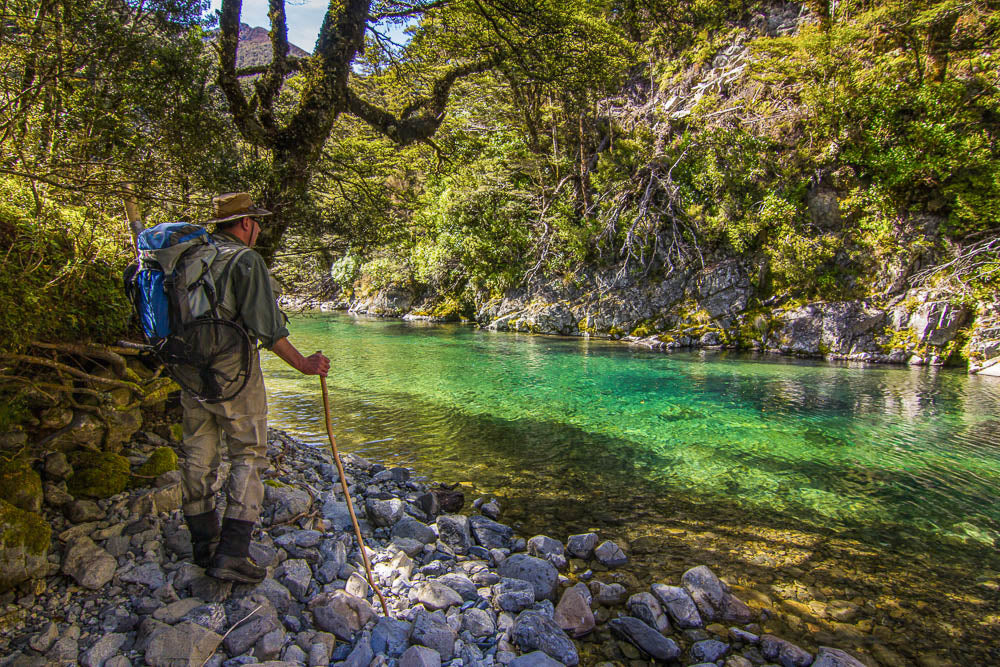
(574, 432)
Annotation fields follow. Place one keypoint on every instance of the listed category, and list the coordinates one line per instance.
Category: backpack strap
(222, 285)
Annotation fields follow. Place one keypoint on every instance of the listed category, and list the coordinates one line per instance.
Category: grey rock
(294, 654)
(534, 659)
(491, 509)
(341, 613)
(248, 624)
(296, 577)
(362, 655)
(66, 648)
(44, 640)
(55, 495)
(573, 613)
(513, 595)
(279, 596)
(723, 289)
(478, 623)
(740, 635)
(706, 590)
(285, 503)
(679, 605)
(420, 656)
(103, 648)
(81, 511)
(844, 327)
(434, 595)
(610, 554)
(117, 661)
(390, 637)
(149, 575)
(181, 645)
(937, 322)
(268, 647)
(210, 616)
(832, 657)
(300, 538)
(582, 546)
(462, 585)
(410, 528)
(454, 531)
(176, 611)
(384, 513)
(88, 564)
(490, 534)
(709, 650)
(357, 586)
(432, 631)
(647, 609)
(57, 467)
(784, 652)
(610, 595)
(645, 638)
(534, 631)
(542, 575)
(543, 546)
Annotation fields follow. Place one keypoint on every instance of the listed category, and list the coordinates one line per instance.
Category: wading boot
(204, 536)
(231, 561)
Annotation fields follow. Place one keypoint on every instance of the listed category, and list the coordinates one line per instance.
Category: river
(817, 487)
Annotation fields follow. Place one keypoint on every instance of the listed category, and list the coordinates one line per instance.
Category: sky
(304, 18)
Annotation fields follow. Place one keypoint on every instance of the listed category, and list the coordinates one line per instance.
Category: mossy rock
(177, 432)
(163, 459)
(24, 545)
(98, 474)
(20, 485)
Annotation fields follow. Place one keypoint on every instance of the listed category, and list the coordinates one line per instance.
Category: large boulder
(534, 631)
(647, 639)
(283, 503)
(842, 328)
(937, 322)
(341, 613)
(98, 474)
(541, 574)
(20, 485)
(24, 545)
(723, 290)
(88, 564)
(489, 534)
(181, 645)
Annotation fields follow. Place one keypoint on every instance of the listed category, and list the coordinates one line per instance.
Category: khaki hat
(233, 205)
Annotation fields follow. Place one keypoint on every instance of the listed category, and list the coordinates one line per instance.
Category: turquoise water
(578, 432)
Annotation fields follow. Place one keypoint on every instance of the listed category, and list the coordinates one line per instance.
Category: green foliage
(97, 474)
(61, 272)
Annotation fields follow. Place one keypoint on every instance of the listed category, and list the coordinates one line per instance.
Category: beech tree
(452, 39)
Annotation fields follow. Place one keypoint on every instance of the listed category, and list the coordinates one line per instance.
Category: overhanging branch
(409, 128)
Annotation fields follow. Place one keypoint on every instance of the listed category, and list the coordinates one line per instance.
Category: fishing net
(210, 359)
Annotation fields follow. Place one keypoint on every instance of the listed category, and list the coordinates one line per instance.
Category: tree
(452, 40)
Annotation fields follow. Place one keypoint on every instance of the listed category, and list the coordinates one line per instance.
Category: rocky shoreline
(713, 309)
(461, 589)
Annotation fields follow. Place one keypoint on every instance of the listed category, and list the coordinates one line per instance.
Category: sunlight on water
(886, 454)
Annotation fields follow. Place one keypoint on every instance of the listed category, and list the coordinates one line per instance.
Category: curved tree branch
(408, 128)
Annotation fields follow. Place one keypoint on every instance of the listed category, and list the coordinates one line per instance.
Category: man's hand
(315, 364)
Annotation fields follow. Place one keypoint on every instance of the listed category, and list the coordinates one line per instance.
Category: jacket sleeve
(257, 304)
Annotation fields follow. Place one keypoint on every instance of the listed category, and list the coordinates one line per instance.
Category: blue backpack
(173, 290)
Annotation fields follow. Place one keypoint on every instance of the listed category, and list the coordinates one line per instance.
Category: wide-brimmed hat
(234, 205)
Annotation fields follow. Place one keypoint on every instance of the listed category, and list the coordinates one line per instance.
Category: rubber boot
(232, 557)
(204, 536)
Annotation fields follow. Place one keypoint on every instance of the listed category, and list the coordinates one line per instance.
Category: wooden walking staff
(350, 505)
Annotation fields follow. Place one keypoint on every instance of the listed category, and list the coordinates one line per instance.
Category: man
(248, 297)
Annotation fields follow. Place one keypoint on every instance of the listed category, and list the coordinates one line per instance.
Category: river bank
(712, 307)
(461, 589)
